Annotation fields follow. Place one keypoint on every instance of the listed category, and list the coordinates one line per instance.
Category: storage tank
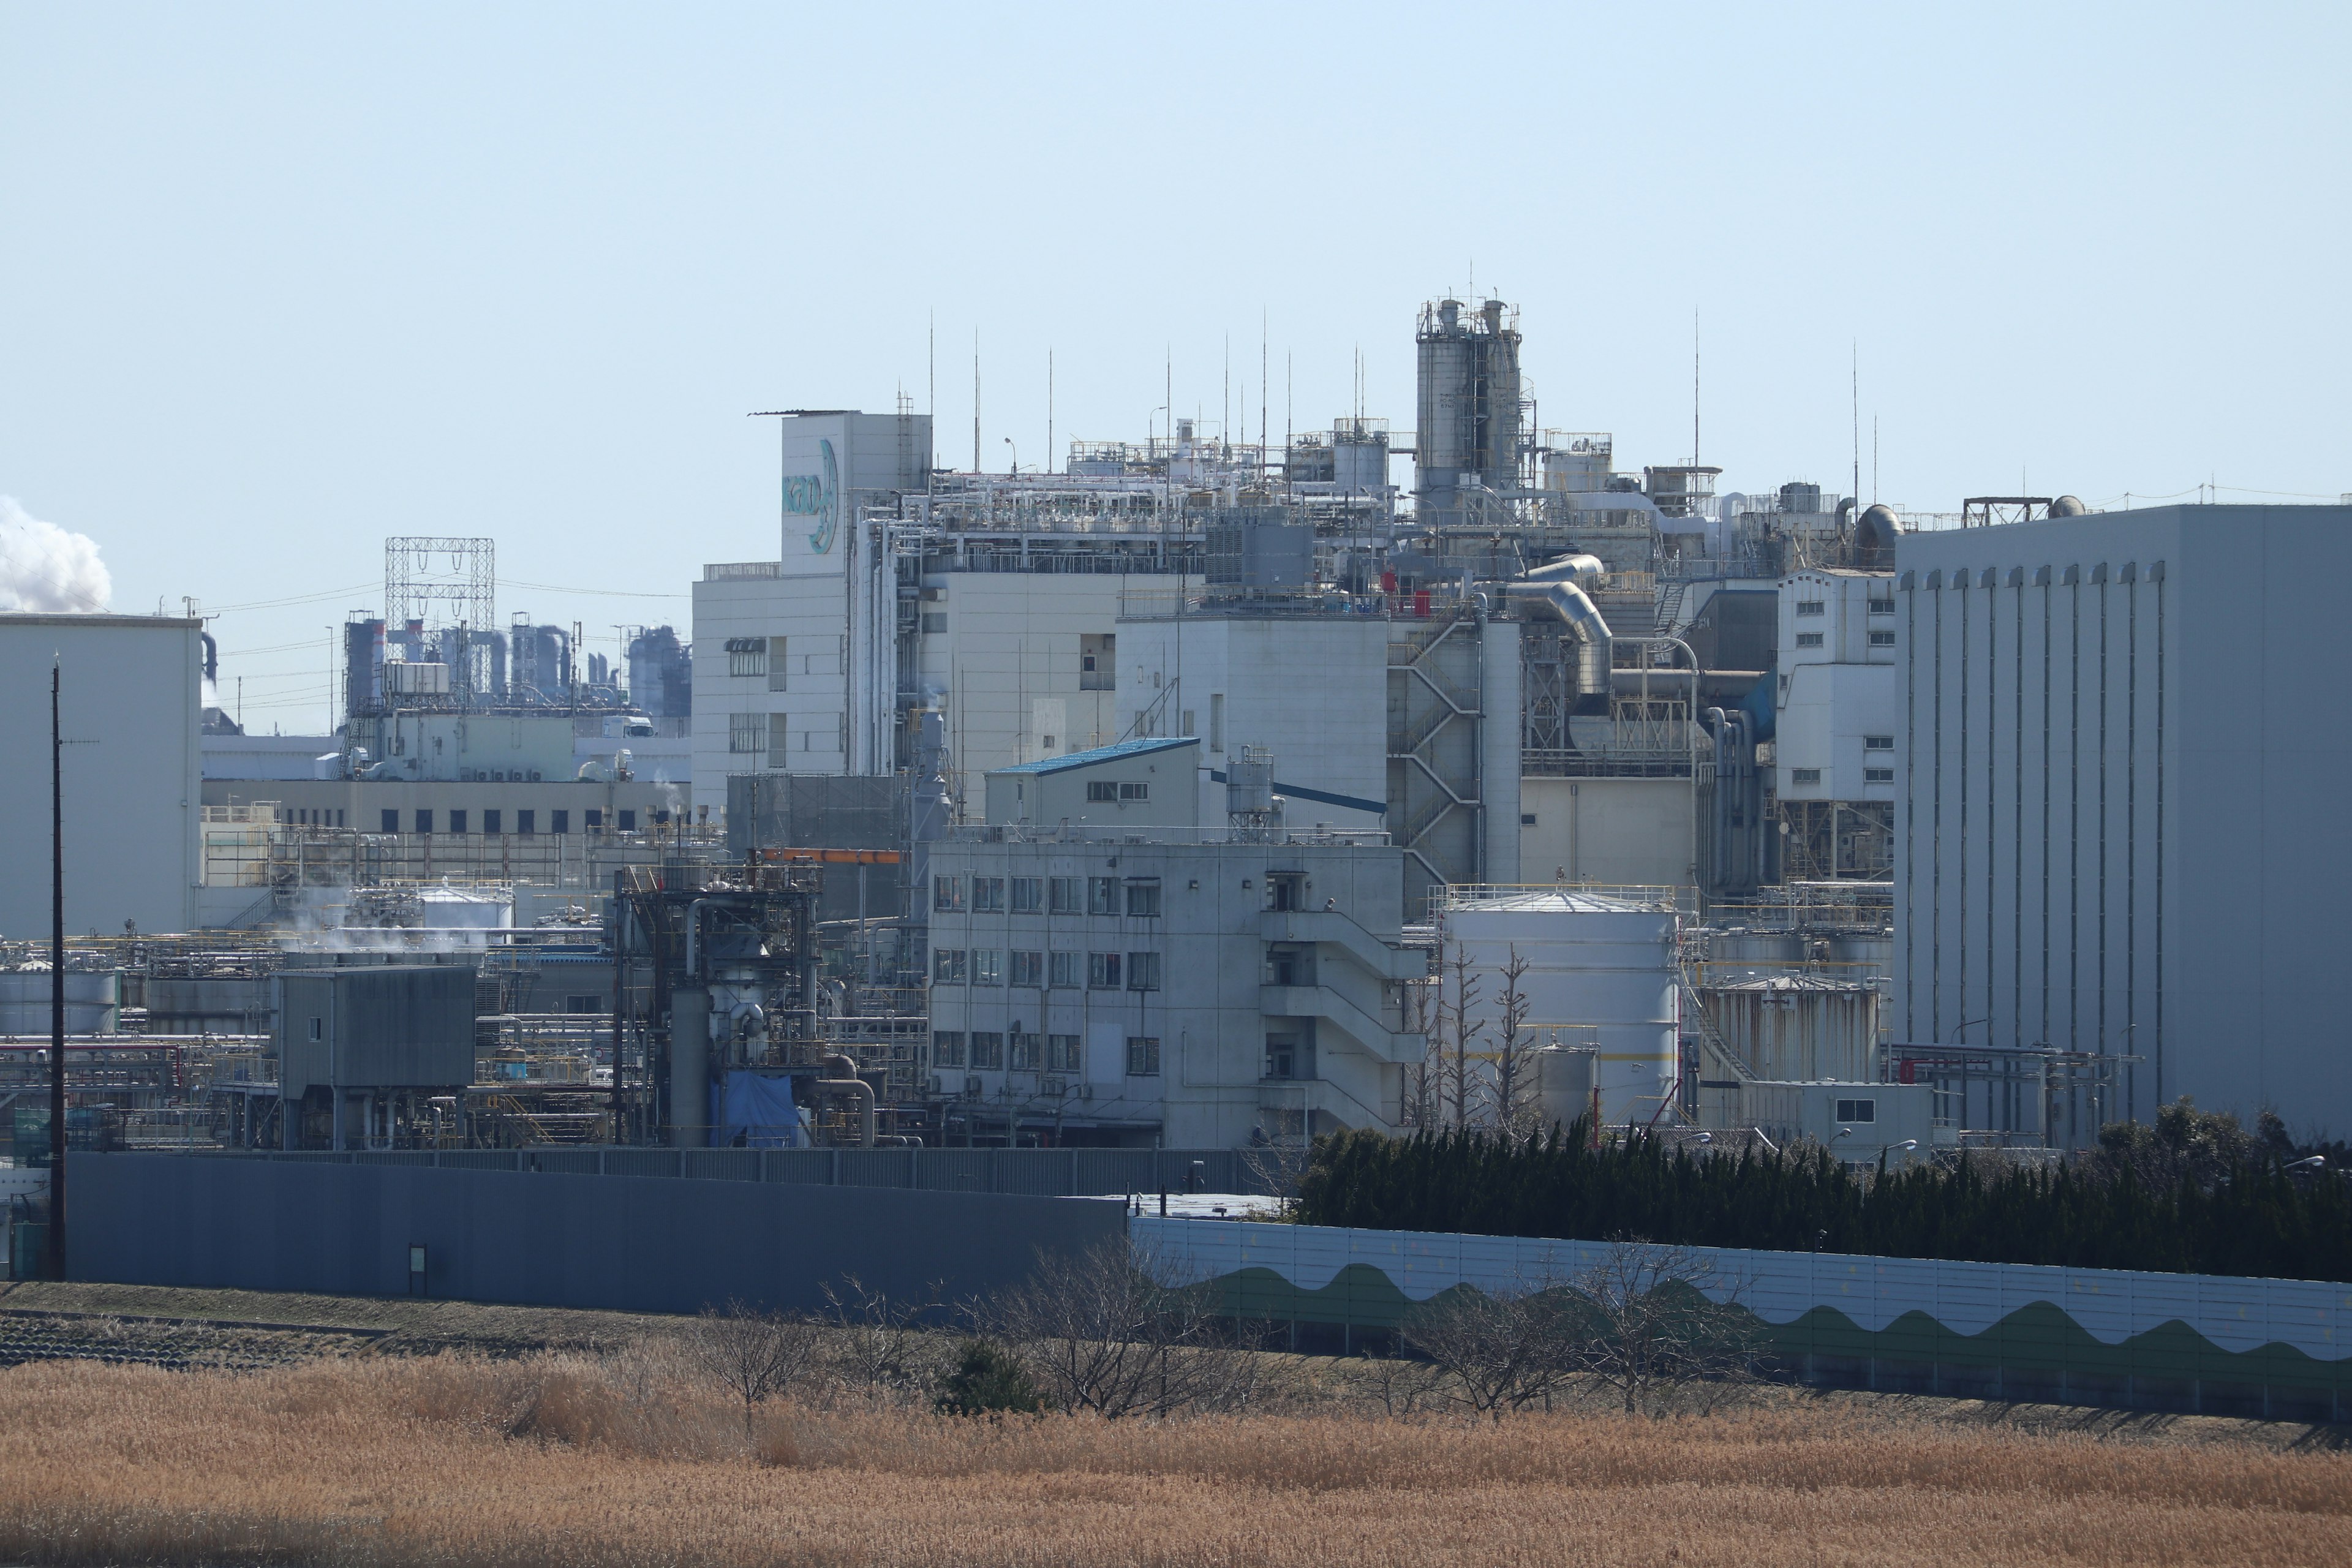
(1446, 384)
(1604, 966)
(93, 1001)
(1798, 1028)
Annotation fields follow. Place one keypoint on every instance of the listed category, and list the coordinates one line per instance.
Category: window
(494, 821)
(392, 822)
(1188, 729)
(1028, 895)
(457, 822)
(1805, 775)
(424, 822)
(947, 966)
(583, 1002)
(1097, 662)
(1143, 1056)
(1882, 606)
(946, 893)
(1143, 898)
(1878, 742)
(947, 1047)
(778, 665)
(1102, 895)
(1101, 790)
(747, 732)
(1102, 972)
(1809, 640)
(318, 1031)
(1143, 971)
(629, 819)
(987, 1048)
(595, 817)
(1029, 969)
(780, 737)
(1857, 1110)
(559, 822)
(1061, 1053)
(935, 621)
(987, 895)
(1282, 1055)
(1881, 639)
(526, 822)
(988, 966)
(1027, 1050)
(746, 656)
(1063, 973)
(1135, 791)
(1216, 720)
(1063, 896)
(1878, 775)
(1809, 607)
(1286, 889)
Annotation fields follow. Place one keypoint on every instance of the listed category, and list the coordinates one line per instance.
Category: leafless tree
(1425, 1015)
(1461, 1010)
(880, 1343)
(1513, 1065)
(1497, 1350)
(1655, 1320)
(756, 1354)
(1108, 1330)
(1277, 1164)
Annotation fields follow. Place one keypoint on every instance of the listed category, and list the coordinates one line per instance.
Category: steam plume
(44, 568)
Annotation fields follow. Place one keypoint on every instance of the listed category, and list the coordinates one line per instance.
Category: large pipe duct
(1579, 570)
(690, 1067)
(850, 1084)
(1567, 601)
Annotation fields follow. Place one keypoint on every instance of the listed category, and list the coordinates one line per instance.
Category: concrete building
(2122, 812)
(1836, 746)
(1137, 785)
(129, 700)
(1236, 986)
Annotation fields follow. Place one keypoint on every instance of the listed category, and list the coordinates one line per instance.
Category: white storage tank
(1791, 1026)
(1604, 968)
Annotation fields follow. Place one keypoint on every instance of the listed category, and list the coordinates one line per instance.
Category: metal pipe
(850, 1084)
(693, 936)
(1584, 618)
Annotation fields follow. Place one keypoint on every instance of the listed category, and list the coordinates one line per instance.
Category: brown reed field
(631, 1458)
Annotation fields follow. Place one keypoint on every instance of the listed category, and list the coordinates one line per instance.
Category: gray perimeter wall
(628, 1243)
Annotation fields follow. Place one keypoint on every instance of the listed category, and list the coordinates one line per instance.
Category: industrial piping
(850, 1084)
(1566, 600)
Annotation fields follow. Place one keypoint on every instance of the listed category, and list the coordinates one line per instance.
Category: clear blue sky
(279, 282)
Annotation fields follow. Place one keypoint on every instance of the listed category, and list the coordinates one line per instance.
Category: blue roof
(1102, 754)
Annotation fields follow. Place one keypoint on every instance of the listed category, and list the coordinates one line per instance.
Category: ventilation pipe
(850, 1084)
(1567, 601)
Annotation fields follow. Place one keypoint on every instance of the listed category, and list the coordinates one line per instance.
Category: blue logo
(818, 496)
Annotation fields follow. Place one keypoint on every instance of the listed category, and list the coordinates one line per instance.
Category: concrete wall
(1617, 832)
(2123, 802)
(130, 703)
(629, 1243)
(811, 692)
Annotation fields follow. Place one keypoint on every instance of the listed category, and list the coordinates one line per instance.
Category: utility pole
(57, 984)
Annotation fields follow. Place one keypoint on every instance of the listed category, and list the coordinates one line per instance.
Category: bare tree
(1423, 1018)
(1497, 1351)
(1461, 1009)
(1510, 1089)
(1276, 1162)
(1109, 1331)
(756, 1354)
(879, 1343)
(1655, 1320)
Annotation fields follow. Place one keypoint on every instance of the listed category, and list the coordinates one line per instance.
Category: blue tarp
(752, 1110)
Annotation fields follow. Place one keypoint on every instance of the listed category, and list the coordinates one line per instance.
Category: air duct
(1567, 601)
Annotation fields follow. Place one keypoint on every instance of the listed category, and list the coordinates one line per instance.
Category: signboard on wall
(816, 499)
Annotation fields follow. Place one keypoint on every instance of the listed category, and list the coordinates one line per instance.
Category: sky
(278, 282)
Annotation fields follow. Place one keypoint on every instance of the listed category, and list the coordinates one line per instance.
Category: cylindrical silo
(1601, 971)
(1445, 427)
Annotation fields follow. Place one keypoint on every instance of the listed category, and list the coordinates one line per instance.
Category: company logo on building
(818, 496)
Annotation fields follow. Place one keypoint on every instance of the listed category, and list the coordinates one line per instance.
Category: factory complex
(1203, 794)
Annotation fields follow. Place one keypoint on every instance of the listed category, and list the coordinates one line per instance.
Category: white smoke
(43, 568)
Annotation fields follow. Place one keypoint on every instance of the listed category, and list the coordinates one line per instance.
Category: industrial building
(129, 697)
(2118, 811)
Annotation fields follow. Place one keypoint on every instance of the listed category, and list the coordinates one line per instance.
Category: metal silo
(1444, 425)
(1799, 1027)
(1603, 967)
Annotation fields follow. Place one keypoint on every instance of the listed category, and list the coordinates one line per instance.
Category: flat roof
(1112, 753)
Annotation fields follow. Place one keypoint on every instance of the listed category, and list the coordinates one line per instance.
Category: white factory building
(129, 699)
(2121, 813)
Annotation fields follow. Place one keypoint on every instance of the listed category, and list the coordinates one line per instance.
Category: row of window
(1045, 970)
(1814, 639)
(1137, 897)
(777, 734)
(525, 821)
(1813, 775)
(1878, 606)
(993, 1048)
(1099, 790)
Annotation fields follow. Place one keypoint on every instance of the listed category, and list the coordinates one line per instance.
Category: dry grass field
(629, 1458)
